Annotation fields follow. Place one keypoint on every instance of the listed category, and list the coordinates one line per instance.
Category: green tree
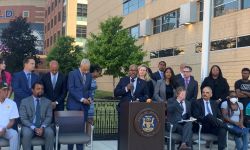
(114, 49)
(20, 42)
(66, 53)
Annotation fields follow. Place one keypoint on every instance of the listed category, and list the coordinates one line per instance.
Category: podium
(142, 126)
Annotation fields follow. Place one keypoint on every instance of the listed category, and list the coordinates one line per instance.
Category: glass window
(201, 9)
(81, 31)
(81, 10)
(26, 14)
(154, 55)
(198, 47)
(169, 21)
(245, 4)
(157, 25)
(58, 34)
(223, 44)
(243, 41)
(48, 10)
(55, 3)
(52, 23)
(135, 31)
(55, 20)
(64, 14)
(59, 16)
(132, 5)
(166, 53)
(222, 7)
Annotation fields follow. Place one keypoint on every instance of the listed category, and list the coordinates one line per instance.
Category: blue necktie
(83, 78)
(208, 110)
(38, 114)
(54, 81)
(29, 80)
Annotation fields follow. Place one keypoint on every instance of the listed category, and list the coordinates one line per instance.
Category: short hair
(94, 67)
(245, 69)
(162, 62)
(179, 90)
(209, 88)
(2, 60)
(26, 59)
(133, 65)
(53, 62)
(188, 67)
(35, 83)
(85, 61)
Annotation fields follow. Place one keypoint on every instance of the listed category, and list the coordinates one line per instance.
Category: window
(48, 10)
(55, 20)
(47, 42)
(223, 44)
(59, 16)
(48, 26)
(55, 3)
(45, 28)
(245, 4)
(51, 23)
(134, 31)
(201, 9)
(50, 40)
(52, 7)
(222, 7)
(166, 53)
(63, 31)
(81, 31)
(81, 10)
(166, 22)
(243, 41)
(132, 5)
(58, 34)
(64, 14)
(26, 14)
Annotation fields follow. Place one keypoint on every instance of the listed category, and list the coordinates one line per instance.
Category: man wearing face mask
(232, 112)
(36, 118)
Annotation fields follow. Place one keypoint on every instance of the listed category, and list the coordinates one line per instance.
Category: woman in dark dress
(217, 83)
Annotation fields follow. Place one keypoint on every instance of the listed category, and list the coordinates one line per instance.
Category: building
(33, 10)
(171, 30)
(65, 18)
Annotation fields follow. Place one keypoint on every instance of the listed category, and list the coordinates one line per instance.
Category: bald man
(55, 86)
(208, 113)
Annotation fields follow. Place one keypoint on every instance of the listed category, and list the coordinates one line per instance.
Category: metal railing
(105, 120)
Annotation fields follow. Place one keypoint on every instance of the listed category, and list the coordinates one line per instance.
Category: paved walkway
(112, 145)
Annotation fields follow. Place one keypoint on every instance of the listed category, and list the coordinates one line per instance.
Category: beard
(39, 95)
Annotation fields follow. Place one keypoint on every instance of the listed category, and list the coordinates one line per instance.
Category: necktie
(186, 83)
(208, 110)
(132, 89)
(54, 81)
(29, 79)
(83, 78)
(38, 114)
(181, 105)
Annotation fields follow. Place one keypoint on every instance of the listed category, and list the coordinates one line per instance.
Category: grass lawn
(103, 94)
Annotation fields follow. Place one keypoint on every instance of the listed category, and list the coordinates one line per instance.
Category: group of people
(218, 110)
(37, 97)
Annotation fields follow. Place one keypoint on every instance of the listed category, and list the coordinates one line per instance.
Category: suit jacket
(198, 110)
(27, 111)
(58, 93)
(174, 111)
(192, 89)
(20, 86)
(141, 91)
(78, 90)
(156, 76)
(160, 91)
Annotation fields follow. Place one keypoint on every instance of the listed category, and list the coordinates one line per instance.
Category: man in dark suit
(189, 83)
(159, 74)
(23, 80)
(179, 109)
(79, 86)
(208, 113)
(129, 89)
(36, 118)
(55, 86)
(180, 75)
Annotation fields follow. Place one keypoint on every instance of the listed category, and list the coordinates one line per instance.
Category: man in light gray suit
(177, 110)
(36, 118)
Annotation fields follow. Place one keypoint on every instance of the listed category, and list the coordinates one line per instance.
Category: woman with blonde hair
(144, 73)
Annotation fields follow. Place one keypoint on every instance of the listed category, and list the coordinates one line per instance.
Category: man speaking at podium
(130, 89)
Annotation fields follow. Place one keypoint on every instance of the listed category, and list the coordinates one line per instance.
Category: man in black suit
(189, 83)
(159, 74)
(55, 86)
(207, 112)
(130, 89)
(181, 74)
(179, 109)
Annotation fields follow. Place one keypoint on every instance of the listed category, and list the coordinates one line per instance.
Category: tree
(66, 53)
(20, 42)
(114, 49)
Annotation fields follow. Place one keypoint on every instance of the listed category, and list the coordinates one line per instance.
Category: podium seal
(147, 122)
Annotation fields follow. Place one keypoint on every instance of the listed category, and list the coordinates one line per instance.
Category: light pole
(206, 38)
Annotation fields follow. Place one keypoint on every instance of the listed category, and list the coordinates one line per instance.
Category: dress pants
(28, 134)
(12, 136)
